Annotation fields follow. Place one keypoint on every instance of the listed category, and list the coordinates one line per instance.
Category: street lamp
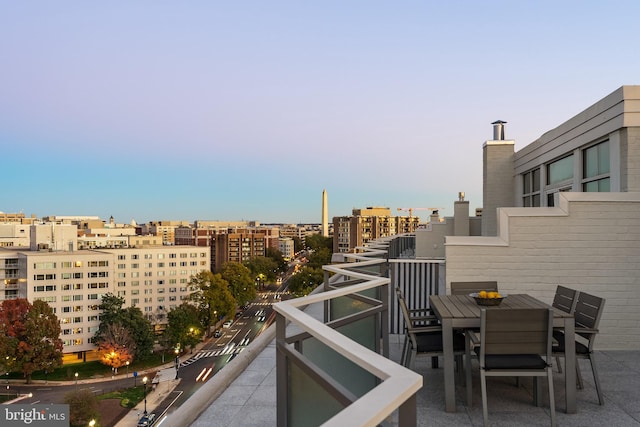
(144, 382)
(177, 363)
(127, 376)
(92, 423)
(76, 375)
(191, 333)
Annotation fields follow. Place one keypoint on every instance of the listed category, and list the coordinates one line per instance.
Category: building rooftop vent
(498, 130)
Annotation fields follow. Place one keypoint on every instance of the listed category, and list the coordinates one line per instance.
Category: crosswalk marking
(231, 349)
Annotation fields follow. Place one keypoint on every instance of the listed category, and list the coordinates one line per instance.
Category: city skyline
(234, 112)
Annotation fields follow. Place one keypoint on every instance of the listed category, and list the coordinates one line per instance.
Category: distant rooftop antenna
(498, 130)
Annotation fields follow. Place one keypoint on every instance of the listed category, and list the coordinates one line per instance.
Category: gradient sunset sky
(232, 110)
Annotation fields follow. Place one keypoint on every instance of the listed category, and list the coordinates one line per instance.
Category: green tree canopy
(212, 297)
(83, 407)
(319, 257)
(32, 340)
(317, 241)
(306, 280)
(297, 244)
(276, 255)
(263, 265)
(241, 284)
(131, 318)
(184, 327)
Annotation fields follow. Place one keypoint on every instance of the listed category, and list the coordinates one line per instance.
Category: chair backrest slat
(516, 331)
(565, 299)
(588, 310)
(465, 288)
(403, 306)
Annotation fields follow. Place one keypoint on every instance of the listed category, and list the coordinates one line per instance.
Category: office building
(144, 272)
(366, 225)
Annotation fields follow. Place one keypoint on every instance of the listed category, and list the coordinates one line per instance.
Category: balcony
(294, 374)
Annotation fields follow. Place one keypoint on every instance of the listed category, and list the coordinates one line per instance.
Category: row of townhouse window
(48, 265)
(163, 256)
(172, 264)
(150, 291)
(159, 282)
(594, 169)
(149, 300)
(68, 276)
(66, 298)
(123, 275)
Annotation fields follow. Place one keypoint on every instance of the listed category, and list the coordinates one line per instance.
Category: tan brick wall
(591, 243)
(633, 159)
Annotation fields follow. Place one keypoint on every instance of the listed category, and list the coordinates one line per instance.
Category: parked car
(147, 420)
(227, 324)
(217, 333)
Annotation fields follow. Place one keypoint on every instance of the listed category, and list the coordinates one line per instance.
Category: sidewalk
(165, 385)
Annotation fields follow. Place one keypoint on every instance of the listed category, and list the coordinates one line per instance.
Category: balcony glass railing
(332, 368)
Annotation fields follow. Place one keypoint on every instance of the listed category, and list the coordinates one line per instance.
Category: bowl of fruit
(487, 298)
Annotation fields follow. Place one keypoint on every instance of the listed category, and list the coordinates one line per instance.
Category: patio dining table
(462, 312)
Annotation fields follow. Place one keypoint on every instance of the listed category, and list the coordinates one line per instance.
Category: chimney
(498, 130)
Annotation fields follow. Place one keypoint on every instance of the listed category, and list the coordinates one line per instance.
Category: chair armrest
(421, 312)
(427, 309)
(473, 336)
(417, 321)
(424, 318)
(417, 330)
(586, 331)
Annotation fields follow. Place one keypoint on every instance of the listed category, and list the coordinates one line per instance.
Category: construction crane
(410, 210)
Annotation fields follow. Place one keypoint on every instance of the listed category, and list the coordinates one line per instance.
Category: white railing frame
(398, 384)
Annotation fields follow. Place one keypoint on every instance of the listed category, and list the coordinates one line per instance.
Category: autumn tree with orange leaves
(30, 337)
(117, 346)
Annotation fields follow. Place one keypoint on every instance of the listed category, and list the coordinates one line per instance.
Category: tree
(184, 327)
(319, 257)
(305, 281)
(32, 338)
(241, 284)
(297, 244)
(262, 265)
(116, 346)
(141, 330)
(212, 297)
(8, 343)
(83, 407)
(276, 256)
(131, 319)
(317, 241)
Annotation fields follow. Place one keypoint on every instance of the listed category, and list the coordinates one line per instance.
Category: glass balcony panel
(309, 403)
(355, 379)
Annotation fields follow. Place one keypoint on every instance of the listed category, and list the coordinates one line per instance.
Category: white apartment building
(286, 247)
(154, 278)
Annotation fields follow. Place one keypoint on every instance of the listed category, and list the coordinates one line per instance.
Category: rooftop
(250, 400)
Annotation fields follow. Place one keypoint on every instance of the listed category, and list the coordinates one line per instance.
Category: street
(194, 369)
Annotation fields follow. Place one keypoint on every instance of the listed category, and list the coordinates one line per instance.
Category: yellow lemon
(492, 295)
(482, 294)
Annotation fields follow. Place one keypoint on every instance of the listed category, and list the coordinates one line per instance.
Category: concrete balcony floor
(251, 399)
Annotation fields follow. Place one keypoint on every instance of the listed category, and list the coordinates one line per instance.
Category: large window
(531, 188)
(559, 178)
(560, 170)
(596, 168)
